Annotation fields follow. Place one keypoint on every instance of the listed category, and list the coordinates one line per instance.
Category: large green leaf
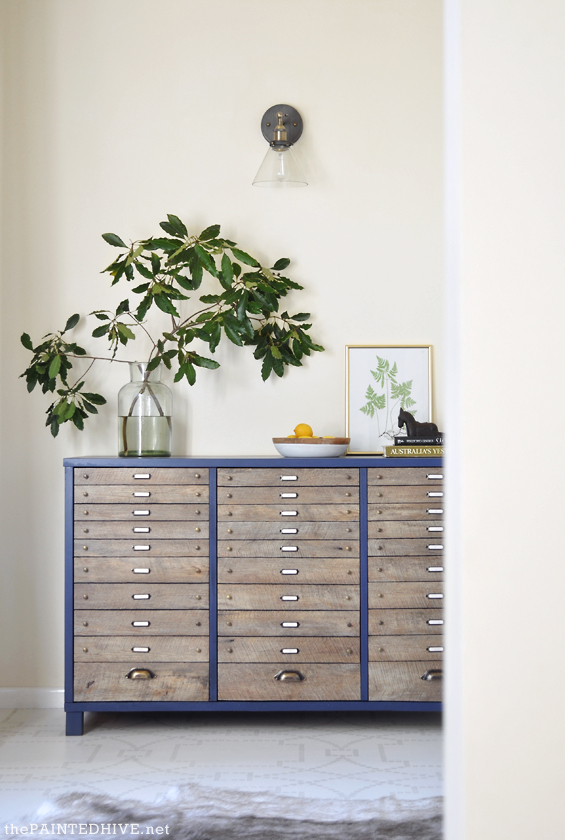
(54, 367)
(243, 257)
(210, 233)
(281, 264)
(114, 239)
(26, 341)
(72, 322)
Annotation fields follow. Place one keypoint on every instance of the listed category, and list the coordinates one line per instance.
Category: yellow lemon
(303, 430)
(291, 436)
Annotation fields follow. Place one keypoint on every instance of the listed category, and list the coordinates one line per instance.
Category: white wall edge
(31, 698)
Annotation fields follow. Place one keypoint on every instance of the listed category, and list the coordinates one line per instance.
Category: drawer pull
(141, 597)
(144, 493)
(141, 547)
(289, 478)
(140, 623)
(436, 595)
(435, 569)
(435, 477)
(289, 597)
(289, 650)
(434, 511)
(434, 621)
(289, 530)
(289, 676)
(433, 675)
(288, 495)
(141, 530)
(289, 571)
(438, 495)
(140, 649)
(435, 547)
(289, 513)
(141, 512)
(435, 649)
(435, 528)
(290, 624)
(141, 571)
(140, 674)
(289, 548)
(142, 475)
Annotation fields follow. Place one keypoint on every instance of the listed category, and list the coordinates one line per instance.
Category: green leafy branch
(245, 310)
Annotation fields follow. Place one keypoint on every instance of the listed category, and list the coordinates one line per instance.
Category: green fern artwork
(385, 406)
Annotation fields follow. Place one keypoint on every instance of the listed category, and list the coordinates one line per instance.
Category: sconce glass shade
(280, 169)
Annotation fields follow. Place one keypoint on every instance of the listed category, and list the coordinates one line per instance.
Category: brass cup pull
(290, 676)
(142, 674)
(431, 675)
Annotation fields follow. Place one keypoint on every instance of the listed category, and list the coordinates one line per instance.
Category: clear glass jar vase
(145, 408)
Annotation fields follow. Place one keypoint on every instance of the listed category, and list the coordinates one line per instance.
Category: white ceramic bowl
(311, 450)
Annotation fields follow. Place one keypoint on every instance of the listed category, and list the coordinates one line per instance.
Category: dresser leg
(75, 723)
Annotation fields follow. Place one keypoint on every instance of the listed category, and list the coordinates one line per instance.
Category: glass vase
(145, 407)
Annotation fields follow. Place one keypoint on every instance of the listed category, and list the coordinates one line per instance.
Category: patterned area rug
(192, 812)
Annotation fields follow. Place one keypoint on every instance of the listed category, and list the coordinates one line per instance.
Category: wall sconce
(281, 126)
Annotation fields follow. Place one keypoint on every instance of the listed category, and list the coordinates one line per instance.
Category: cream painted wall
(119, 111)
(505, 69)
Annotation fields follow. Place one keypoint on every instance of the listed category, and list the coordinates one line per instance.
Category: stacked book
(410, 447)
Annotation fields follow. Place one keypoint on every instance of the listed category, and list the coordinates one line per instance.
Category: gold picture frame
(378, 379)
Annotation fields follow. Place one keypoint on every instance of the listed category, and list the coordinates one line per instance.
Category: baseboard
(31, 698)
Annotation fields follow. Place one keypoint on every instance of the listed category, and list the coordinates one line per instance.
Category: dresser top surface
(345, 462)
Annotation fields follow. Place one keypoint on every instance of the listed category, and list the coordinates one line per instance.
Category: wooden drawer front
(129, 596)
(385, 595)
(139, 476)
(287, 652)
(289, 550)
(172, 681)
(270, 597)
(405, 568)
(141, 513)
(152, 622)
(284, 530)
(406, 648)
(288, 497)
(432, 497)
(156, 570)
(276, 571)
(430, 530)
(135, 548)
(389, 622)
(405, 475)
(284, 478)
(271, 623)
(132, 648)
(141, 497)
(257, 682)
(402, 681)
(429, 547)
(431, 510)
(143, 530)
(288, 514)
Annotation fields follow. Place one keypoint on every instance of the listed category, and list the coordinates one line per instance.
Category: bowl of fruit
(305, 444)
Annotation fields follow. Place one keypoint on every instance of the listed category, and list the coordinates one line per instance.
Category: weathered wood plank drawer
(171, 681)
(290, 548)
(410, 595)
(141, 512)
(283, 477)
(430, 547)
(167, 622)
(258, 681)
(138, 530)
(405, 475)
(139, 476)
(243, 596)
(405, 681)
(142, 596)
(405, 648)
(332, 570)
(431, 510)
(288, 513)
(157, 570)
(287, 652)
(281, 530)
(140, 547)
(404, 568)
(432, 530)
(389, 622)
(287, 497)
(141, 496)
(393, 494)
(134, 649)
(280, 623)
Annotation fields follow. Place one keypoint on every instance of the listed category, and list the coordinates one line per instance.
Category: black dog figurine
(414, 429)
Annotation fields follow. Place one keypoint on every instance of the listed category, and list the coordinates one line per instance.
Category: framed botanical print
(380, 380)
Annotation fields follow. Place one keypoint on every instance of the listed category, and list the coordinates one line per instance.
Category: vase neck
(138, 372)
